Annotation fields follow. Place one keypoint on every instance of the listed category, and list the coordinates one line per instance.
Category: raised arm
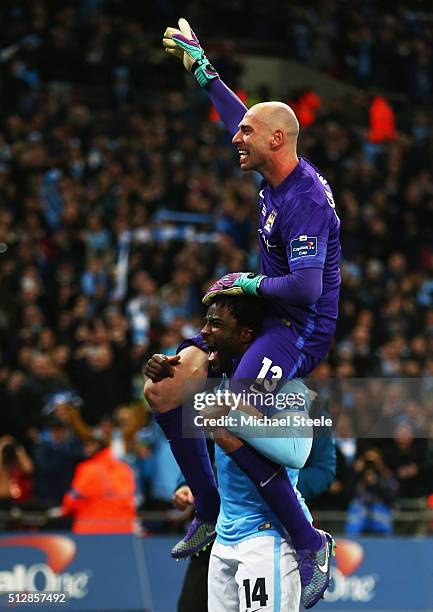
(184, 44)
(229, 106)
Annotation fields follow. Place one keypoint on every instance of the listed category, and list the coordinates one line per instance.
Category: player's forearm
(289, 447)
(301, 288)
(229, 106)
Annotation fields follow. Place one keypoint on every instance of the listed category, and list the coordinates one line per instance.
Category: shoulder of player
(309, 204)
(195, 343)
(192, 359)
(311, 184)
(191, 350)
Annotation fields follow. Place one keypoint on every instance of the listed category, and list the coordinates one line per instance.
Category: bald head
(267, 139)
(277, 116)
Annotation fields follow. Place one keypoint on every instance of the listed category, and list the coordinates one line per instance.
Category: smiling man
(262, 122)
(299, 245)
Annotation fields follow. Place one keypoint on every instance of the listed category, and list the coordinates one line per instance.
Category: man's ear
(277, 138)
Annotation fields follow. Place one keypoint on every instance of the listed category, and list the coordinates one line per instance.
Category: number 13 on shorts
(261, 380)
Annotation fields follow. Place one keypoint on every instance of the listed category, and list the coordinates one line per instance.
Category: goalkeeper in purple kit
(299, 242)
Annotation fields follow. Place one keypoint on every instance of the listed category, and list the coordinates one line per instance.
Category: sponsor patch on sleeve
(303, 246)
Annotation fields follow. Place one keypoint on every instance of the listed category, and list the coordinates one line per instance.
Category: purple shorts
(274, 355)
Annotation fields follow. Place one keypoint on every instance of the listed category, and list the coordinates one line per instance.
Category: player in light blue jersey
(252, 563)
(298, 231)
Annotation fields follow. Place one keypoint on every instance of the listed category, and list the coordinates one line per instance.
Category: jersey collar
(285, 185)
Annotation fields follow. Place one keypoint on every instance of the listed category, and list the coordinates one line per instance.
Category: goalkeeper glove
(184, 44)
(238, 283)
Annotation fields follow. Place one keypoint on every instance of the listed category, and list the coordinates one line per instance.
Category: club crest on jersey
(303, 247)
(270, 221)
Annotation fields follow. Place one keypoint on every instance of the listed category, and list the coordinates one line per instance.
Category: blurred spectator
(382, 121)
(345, 447)
(16, 472)
(99, 134)
(101, 375)
(139, 307)
(374, 490)
(166, 473)
(56, 455)
(407, 457)
(101, 498)
(129, 435)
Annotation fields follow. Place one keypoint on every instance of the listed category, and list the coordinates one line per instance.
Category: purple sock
(280, 496)
(193, 459)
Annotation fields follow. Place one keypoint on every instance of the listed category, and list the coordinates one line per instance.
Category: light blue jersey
(244, 513)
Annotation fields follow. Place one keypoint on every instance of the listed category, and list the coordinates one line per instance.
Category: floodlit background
(121, 200)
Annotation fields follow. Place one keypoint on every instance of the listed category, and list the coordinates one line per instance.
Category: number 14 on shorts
(257, 596)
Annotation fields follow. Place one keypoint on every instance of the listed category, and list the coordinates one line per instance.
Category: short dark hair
(247, 310)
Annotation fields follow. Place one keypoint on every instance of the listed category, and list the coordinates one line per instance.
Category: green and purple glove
(184, 44)
(237, 283)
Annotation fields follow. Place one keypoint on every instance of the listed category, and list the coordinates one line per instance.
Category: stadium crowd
(116, 214)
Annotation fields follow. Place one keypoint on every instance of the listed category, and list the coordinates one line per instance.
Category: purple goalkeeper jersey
(299, 228)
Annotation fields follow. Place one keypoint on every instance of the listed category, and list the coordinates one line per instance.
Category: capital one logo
(345, 584)
(48, 576)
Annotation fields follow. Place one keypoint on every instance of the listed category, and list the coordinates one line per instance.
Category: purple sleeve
(229, 107)
(301, 288)
(197, 341)
(306, 235)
